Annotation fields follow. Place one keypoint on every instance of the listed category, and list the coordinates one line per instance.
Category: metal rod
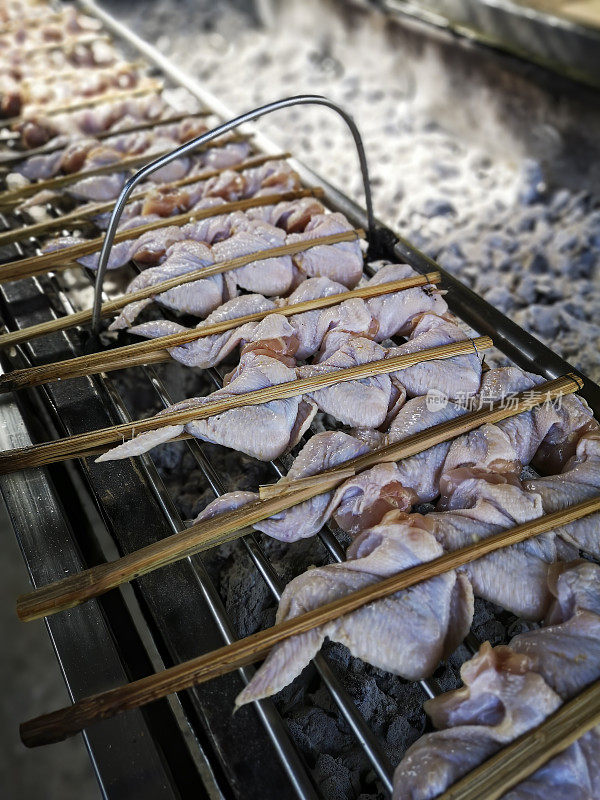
(265, 709)
(145, 172)
(353, 717)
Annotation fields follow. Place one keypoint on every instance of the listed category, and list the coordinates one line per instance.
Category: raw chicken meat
(359, 503)
(291, 215)
(39, 130)
(341, 262)
(515, 577)
(211, 350)
(407, 633)
(579, 481)
(264, 431)
(198, 297)
(509, 690)
(322, 451)
(567, 651)
(460, 380)
(271, 276)
(481, 489)
(361, 402)
(84, 152)
(423, 471)
(501, 699)
(395, 312)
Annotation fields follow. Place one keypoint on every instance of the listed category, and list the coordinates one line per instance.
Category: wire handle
(302, 99)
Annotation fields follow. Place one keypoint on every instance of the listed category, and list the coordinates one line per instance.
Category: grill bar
(358, 725)
(179, 625)
(265, 708)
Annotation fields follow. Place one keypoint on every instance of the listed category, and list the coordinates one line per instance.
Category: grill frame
(170, 767)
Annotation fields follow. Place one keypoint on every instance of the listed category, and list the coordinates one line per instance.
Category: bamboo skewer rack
(67, 74)
(34, 107)
(73, 72)
(155, 350)
(557, 732)
(77, 446)
(108, 309)
(94, 209)
(204, 535)
(9, 199)
(16, 156)
(66, 44)
(146, 87)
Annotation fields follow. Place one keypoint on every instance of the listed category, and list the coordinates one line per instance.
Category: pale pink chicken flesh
(263, 431)
(407, 633)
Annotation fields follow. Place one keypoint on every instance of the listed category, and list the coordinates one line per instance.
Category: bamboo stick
(94, 209)
(75, 72)
(66, 44)
(154, 351)
(520, 759)
(65, 722)
(417, 443)
(17, 156)
(148, 87)
(43, 76)
(76, 589)
(73, 446)
(108, 309)
(8, 199)
(67, 75)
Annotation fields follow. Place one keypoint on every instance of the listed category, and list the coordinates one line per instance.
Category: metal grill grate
(190, 744)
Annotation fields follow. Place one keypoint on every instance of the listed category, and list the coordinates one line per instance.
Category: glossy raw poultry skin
(373, 402)
(271, 276)
(292, 216)
(264, 431)
(483, 501)
(18, 94)
(534, 674)
(151, 247)
(514, 577)
(90, 152)
(32, 97)
(27, 37)
(329, 261)
(501, 699)
(368, 401)
(429, 330)
(365, 402)
(423, 471)
(40, 130)
(322, 451)
(579, 480)
(310, 328)
(209, 351)
(440, 468)
(396, 313)
(234, 235)
(198, 298)
(107, 187)
(567, 650)
(406, 634)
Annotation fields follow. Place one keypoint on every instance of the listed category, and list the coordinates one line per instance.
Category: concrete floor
(32, 684)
